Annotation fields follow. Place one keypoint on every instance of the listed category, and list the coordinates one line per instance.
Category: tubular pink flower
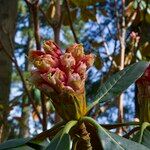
(76, 50)
(51, 48)
(67, 60)
(81, 69)
(43, 61)
(74, 81)
(34, 54)
(54, 78)
(88, 60)
(67, 70)
(62, 77)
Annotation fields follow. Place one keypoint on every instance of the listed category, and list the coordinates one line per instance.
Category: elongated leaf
(143, 127)
(60, 142)
(13, 143)
(119, 82)
(39, 142)
(62, 139)
(38, 146)
(22, 148)
(143, 136)
(112, 141)
(48, 133)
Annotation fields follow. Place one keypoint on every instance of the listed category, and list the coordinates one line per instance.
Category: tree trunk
(8, 13)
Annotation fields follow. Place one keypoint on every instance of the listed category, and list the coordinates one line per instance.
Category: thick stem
(84, 141)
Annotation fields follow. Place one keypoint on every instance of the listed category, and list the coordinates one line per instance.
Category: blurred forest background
(116, 31)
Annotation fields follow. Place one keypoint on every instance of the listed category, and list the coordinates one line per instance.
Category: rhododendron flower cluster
(58, 74)
(60, 71)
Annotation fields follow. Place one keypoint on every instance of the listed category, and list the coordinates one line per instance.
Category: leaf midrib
(111, 86)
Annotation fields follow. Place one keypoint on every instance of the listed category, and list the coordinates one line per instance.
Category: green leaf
(112, 141)
(48, 133)
(118, 82)
(143, 136)
(14, 143)
(59, 143)
(62, 139)
(143, 127)
(38, 142)
(22, 148)
(38, 145)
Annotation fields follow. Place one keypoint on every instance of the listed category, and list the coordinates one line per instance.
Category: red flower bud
(62, 77)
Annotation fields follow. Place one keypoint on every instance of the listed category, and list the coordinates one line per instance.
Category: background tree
(8, 13)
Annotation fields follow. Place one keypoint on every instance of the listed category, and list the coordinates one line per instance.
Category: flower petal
(88, 60)
(75, 82)
(81, 69)
(67, 60)
(34, 54)
(76, 50)
(51, 48)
